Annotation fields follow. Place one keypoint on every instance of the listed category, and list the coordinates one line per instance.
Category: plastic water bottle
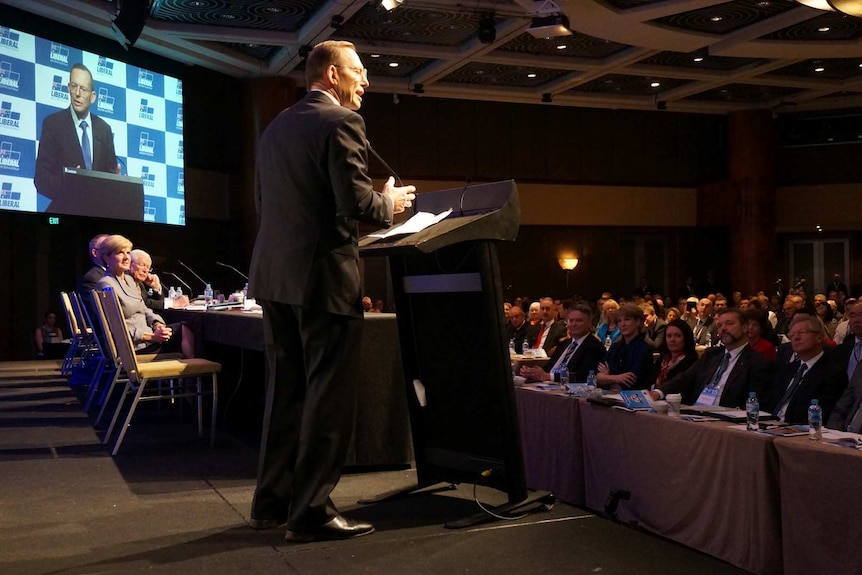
(752, 411)
(208, 294)
(608, 343)
(708, 339)
(592, 388)
(564, 378)
(245, 291)
(172, 293)
(512, 346)
(179, 292)
(815, 420)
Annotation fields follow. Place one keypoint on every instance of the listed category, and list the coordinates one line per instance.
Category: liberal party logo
(179, 91)
(146, 146)
(183, 215)
(179, 118)
(59, 54)
(9, 38)
(9, 78)
(145, 111)
(148, 178)
(9, 118)
(145, 79)
(180, 150)
(104, 101)
(181, 183)
(59, 89)
(8, 198)
(149, 212)
(105, 67)
(9, 158)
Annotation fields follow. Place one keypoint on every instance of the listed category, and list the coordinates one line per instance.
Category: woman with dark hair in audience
(48, 339)
(628, 361)
(677, 353)
(759, 333)
(150, 333)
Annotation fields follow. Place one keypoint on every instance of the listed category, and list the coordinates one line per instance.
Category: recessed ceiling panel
(829, 26)
(699, 60)
(727, 17)
(576, 45)
(631, 85)
(745, 93)
(287, 15)
(831, 68)
(414, 26)
(499, 75)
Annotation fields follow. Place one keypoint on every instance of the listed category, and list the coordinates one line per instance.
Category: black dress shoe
(338, 527)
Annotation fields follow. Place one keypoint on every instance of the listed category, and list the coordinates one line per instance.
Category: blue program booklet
(636, 398)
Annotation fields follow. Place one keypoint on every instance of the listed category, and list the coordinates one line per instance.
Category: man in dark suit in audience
(849, 354)
(581, 353)
(703, 324)
(847, 414)
(517, 328)
(548, 332)
(89, 280)
(312, 189)
(811, 376)
(654, 327)
(725, 374)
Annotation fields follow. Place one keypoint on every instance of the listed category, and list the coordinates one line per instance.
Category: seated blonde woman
(608, 321)
(150, 333)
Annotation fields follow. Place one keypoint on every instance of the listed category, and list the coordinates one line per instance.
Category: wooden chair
(142, 375)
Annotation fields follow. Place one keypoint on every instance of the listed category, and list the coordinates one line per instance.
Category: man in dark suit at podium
(73, 138)
(312, 188)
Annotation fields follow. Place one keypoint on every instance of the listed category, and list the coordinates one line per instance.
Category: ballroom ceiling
(708, 56)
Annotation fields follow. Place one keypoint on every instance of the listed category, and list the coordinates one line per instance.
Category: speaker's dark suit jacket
(825, 381)
(312, 188)
(59, 147)
(587, 357)
(752, 372)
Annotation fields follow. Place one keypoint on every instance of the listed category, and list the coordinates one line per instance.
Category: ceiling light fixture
(819, 69)
(487, 31)
(390, 5)
(654, 84)
(849, 7)
(698, 59)
(532, 75)
(553, 26)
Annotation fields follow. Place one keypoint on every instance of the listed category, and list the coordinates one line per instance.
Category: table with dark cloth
(709, 487)
(382, 430)
(821, 508)
(550, 425)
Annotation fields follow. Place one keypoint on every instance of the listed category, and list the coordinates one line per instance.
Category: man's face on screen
(81, 93)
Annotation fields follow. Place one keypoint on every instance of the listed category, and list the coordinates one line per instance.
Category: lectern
(449, 304)
(99, 195)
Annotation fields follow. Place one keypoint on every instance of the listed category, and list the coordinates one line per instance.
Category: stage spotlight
(552, 26)
(487, 31)
(130, 20)
(390, 5)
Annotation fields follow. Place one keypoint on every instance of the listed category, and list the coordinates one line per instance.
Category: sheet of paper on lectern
(417, 223)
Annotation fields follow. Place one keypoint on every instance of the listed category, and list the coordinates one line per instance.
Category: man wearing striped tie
(74, 138)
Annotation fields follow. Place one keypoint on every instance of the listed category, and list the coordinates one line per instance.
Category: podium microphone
(179, 279)
(385, 165)
(245, 277)
(200, 279)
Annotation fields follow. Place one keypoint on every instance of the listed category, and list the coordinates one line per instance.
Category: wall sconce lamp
(567, 265)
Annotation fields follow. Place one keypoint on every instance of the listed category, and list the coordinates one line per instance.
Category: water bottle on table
(815, 420)
(564, 378)
(592, 387)
(752, 411)
(208, 294)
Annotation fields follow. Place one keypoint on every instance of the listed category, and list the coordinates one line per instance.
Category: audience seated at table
(547, 332)
(827, 316)
(150, 333)
(586, 355)
(367, 304)
(811, 376)
(608, 321)
(760, 334)
(516, 328)
(627, 363)
(150, 285)
(676, 354)
(725, 374)
(792, 304)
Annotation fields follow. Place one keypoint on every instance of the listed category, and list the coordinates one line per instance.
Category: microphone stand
(179, 279)
(200, 279)
(242, 275)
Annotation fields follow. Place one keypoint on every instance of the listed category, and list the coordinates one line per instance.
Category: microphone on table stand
(179, 279)
(200, 279)
(242, 275)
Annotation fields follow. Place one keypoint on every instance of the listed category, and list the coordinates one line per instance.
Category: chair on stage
(84, 349)
(115, 367)
(142, 376)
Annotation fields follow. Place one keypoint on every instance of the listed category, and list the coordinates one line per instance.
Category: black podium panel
(449, 301)
(99, 195)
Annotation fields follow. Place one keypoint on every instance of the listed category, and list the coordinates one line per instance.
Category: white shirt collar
(331, 97)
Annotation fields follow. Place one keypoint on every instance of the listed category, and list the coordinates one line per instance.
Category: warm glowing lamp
(568, 264)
